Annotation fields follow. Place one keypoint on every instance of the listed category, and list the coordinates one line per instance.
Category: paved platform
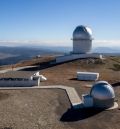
(73, 97)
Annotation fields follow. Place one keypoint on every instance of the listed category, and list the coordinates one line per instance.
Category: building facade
(82, 40)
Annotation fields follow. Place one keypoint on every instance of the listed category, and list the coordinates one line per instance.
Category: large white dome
(102, 91)
(82, 32)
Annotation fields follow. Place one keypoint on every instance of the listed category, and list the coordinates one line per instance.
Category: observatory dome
(82, 32)
(82, 40)
(102, 90)
(103, 94)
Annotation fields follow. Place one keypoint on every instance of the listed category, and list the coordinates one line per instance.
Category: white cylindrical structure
(82, 40)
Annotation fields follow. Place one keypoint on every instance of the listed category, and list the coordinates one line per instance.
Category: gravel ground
(50, 109)
(32, 109)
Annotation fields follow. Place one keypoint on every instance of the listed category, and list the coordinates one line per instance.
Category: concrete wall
(87, 76)
(17, 83)
(82, 46)
(70, 57)
(87, 100)
(103, 103)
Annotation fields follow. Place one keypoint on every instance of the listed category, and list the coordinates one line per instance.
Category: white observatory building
(101, 96)
(82, 40)
(82, 45)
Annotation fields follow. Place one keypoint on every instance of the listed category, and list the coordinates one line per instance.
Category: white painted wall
(71, 57)
(87, 76)
(16, 83)
(82, 46)
(87, 100)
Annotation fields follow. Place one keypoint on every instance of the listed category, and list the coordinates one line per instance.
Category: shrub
(116, 67)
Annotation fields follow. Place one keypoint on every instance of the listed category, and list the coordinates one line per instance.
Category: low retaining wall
(17, 83)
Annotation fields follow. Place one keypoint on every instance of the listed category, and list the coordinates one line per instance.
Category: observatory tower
(82, 40)
(82, 45)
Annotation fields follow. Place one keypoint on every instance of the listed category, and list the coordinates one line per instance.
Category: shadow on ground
(45, 65)
(40, 66)
(116, 84)
(74, 79)
(72, 115)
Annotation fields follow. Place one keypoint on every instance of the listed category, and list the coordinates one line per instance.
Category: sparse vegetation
(116, 67)
(116, 59)
(99, 61)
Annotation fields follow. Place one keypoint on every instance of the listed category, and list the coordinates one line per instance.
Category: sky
(51, 22)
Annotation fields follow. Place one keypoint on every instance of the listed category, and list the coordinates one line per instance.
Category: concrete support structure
(71, 57)
(82, 46)
(87, 101)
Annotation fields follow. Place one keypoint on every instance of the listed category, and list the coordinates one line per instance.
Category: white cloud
(96, 43)
(106, 43)
(35, 42)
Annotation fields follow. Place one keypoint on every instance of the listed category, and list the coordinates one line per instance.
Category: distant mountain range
(106, 50)
(11, 55)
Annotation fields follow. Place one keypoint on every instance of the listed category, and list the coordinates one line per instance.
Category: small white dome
(101, 82)
(102, 91)
(82, 32)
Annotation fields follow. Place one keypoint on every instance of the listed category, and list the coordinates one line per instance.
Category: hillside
(47, 108)
(13, 55)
